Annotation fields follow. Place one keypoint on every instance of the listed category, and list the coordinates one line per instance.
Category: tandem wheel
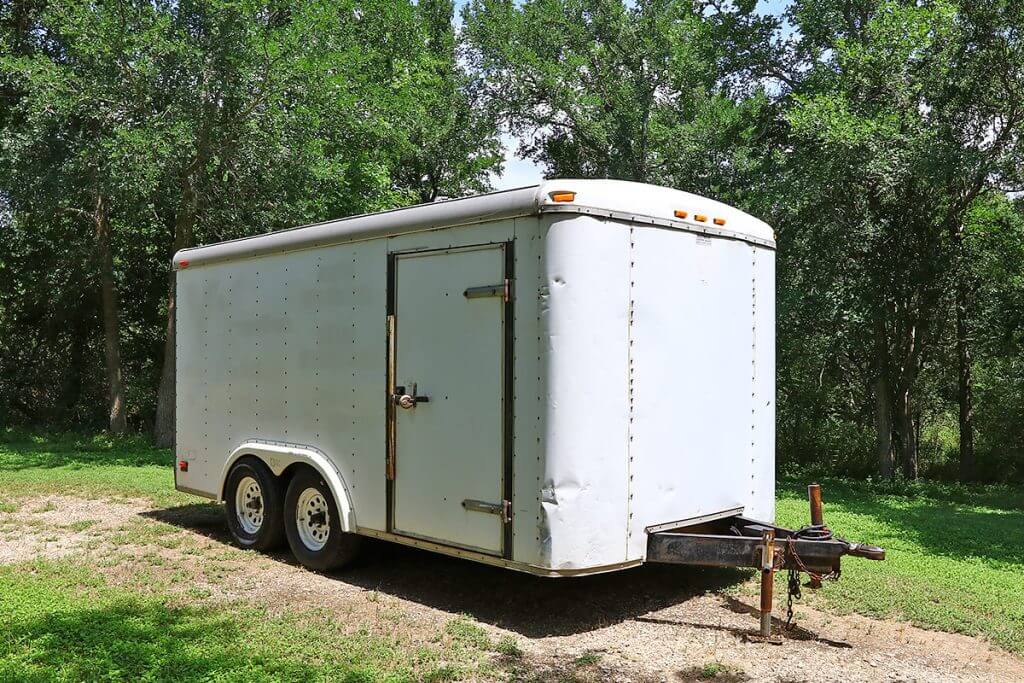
(313, 526)
(254, 504)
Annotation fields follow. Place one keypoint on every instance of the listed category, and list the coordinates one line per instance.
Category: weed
(465, 632)
(508, 647)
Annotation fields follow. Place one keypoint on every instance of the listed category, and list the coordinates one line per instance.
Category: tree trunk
(163, 427)
(111, 318)
(71, 384)
(883, 402)
(908, 440)
(965, 391)
(965, 395)
(883, 426)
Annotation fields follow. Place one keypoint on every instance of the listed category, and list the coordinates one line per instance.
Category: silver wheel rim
(249, 505)
(312, 519)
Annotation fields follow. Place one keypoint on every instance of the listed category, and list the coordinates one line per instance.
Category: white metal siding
(701, 405)
(584, 316)
(529, 383)
(762, 441)
(286, 348)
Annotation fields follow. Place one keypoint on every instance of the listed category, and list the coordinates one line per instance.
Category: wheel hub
(249, 505)
(312, 519)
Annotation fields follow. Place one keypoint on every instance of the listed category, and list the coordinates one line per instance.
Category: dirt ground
(653, 623)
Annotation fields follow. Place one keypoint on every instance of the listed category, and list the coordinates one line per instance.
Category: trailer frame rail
(736, 541)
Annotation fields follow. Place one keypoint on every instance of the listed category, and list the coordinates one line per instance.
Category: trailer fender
(278, 457)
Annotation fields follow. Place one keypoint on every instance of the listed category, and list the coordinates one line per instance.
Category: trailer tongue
(732, 540)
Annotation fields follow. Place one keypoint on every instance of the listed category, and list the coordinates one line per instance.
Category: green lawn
(61, 622)
(955, 562)
(127, 467)
(955, 554)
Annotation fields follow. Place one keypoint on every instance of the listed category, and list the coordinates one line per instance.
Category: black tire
(270, 533)
(339, 548)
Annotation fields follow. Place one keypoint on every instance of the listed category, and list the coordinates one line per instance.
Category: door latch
(502, 509)
(502, 290)
(408, 401)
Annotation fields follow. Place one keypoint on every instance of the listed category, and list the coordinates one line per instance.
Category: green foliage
(647, 91)
(200, 121)
(463, 630)
(881, 138)
(901, 128)
(100, 465)
(509, 647)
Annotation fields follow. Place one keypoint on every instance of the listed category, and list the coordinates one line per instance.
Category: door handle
(408, 401)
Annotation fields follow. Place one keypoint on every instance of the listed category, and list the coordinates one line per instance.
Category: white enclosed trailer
(541, 378)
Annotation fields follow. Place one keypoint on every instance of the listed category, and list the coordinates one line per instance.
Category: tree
(656, 91)
(77, 144)
(160, 125)
(902, 115)
(315, 111)
(453, 142)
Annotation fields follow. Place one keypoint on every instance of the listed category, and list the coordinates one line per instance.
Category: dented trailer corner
(552, 379)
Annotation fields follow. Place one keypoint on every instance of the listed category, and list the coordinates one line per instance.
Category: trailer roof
(618, 199)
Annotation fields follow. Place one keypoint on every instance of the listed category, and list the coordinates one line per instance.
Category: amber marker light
(563, 196)
(681, 214)
(700, 217)
(719, 221)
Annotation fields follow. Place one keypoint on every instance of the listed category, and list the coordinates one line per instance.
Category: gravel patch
(653, 623)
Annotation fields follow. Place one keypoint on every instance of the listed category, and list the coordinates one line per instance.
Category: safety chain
(819, 533)
(793, 591)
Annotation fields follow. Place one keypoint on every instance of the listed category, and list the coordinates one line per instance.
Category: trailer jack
(735, 541)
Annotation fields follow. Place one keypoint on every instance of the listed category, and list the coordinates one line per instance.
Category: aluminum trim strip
(640, 219)
(420, 218)
(699, 519)
(196, 492)
(495, 560)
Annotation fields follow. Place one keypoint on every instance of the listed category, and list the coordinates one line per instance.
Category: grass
(587, 659)
(955, 563)
(954, 554)
(62, 623)
(94, 466)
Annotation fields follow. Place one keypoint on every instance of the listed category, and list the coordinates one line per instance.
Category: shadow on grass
(22, 451)
(130, 640)
(529, 605)
(954, 528)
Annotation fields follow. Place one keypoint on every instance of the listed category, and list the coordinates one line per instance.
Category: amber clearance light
(560, 196)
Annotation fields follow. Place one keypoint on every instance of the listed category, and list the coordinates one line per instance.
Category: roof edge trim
(421, 217)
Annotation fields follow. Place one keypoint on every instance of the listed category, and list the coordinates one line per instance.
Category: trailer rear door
(448, 443)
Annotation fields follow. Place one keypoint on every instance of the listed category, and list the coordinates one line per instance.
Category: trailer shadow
(529, 605)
